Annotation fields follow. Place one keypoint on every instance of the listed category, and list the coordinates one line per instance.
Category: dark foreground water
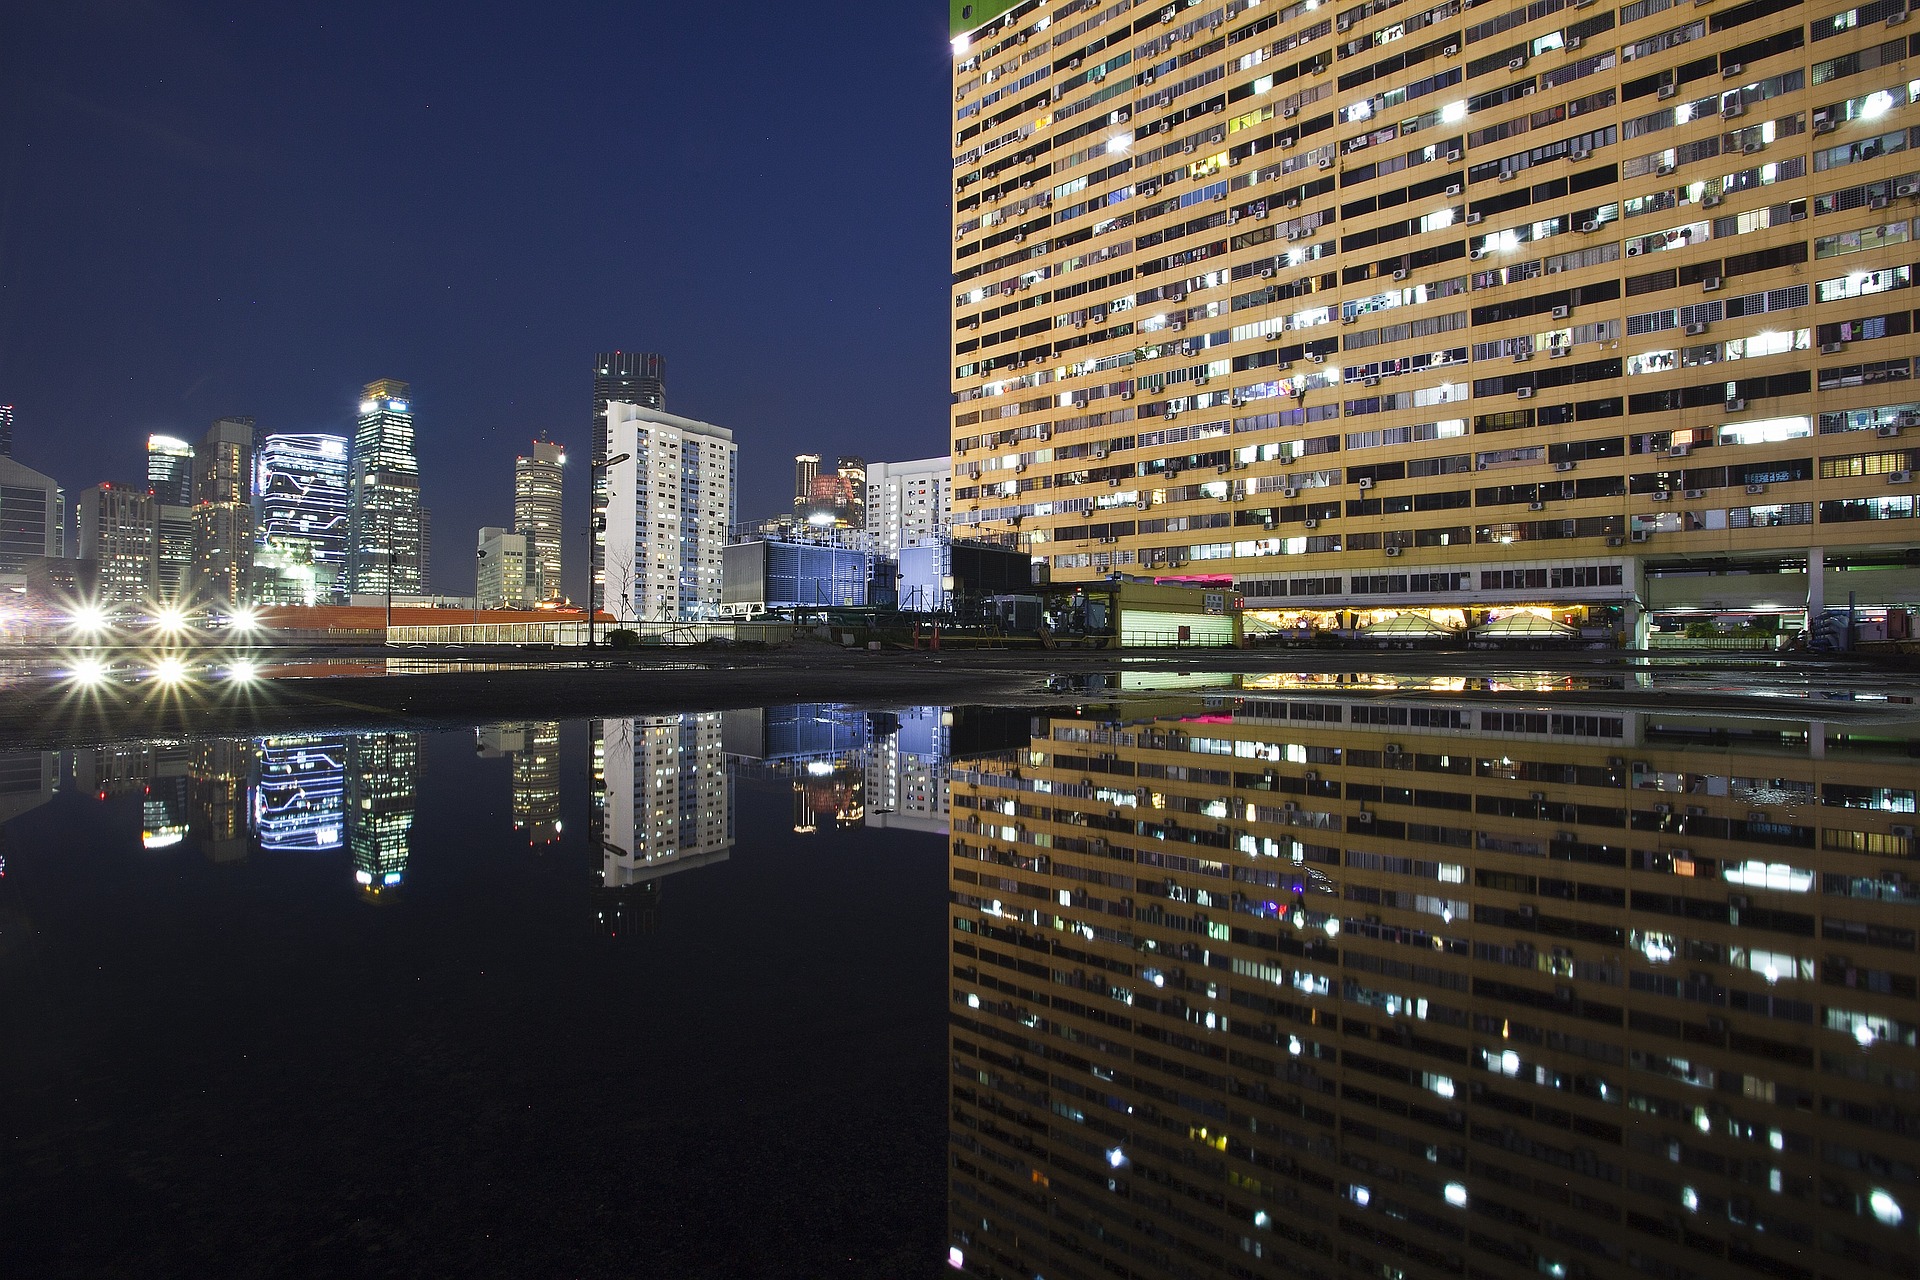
(1254, 979)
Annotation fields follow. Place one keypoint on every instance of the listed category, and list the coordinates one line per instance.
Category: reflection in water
(383, 775)
(1329, 987)
(300, 802)
(535, 752)
(668, 802)
(906, 771)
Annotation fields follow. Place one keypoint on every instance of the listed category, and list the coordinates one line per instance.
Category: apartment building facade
(1570, 307)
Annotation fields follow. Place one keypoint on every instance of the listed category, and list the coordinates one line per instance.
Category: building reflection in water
(300, 801)
(1338, 987)
(220, 775)
(383, 777)
(669, 805)
(534, 750)
(906, 770)
(818, 748)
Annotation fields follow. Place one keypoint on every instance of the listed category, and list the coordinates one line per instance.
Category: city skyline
(281, 297)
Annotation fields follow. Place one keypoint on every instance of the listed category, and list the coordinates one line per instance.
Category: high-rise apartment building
(385, 545)
(170, 471)
(668, 511)
(119, 542)
(223, 512)
(33, 519)
(806, 469)
(907, 504)
(669, 802)
(537, 493)
(1582, 308)
(500, 569)
(629, 377)
(300, 495)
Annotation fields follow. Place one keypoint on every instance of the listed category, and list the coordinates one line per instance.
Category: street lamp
(600, 464)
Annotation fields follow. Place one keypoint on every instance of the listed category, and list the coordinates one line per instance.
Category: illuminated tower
(537, 490)
(806, 469)
(384, 536)
(223, 512)
(300, 803)
(300, 492)
(670, 505)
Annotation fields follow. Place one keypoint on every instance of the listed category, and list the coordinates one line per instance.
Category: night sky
(242, 208)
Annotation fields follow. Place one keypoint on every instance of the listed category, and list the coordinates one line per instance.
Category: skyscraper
(806, 469)
(300, 498)
(500, 569)
(33, 518)
(1571, 309)
(537, 492)
(383, 776)
(223, 512)
(853, 473)
(669, 508)
(384, 542)
(300, 802)
(630, 377)
(170, 471)
(6, 431)
(119, 541)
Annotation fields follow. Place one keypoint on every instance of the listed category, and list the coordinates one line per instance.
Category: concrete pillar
(1634, 614)
(1816, 583)
(1817, 739)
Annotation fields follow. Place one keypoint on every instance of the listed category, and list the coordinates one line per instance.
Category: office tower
(384, 540)
(907, 504)
(33, 517)
(300, 801)
(853, 473)
(500, 569)
(170, 471)
(668, 511)
(220, 774)
(1577, 349)
(300, 498)
(6, 431)
(537, 491)
(119, 542)
(629, 377)
(170, 481)
(223, 512)
(383, 775)
(806, 469)
(669, 805)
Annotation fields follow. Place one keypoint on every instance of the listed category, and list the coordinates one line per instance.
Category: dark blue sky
(244, 208)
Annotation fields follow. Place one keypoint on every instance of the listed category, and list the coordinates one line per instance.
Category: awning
(1525, 626)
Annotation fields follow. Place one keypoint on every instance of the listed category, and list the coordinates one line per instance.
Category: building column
(1816, 583)
(1634, 615)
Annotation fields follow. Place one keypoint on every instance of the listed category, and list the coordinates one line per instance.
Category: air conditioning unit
(1878, 202)
(1453, 188)
(1562, 312)
(1900, 477)
(1536, 506)
(1824, 125)
(1712, 202)
(1366, 483)
(1667, 91)
(1266, 273)
(1507, 175)
(1476, 254)
(1580, 153)
(1326, 162)
(1393, 551)
(1295, 234)
(1756, 488)
(1113, 482)
(1589, 227)
(1572, 43)
(1475, 219)
(1695, 329)
(1284, 365)
(1633, 248)
(1613, 542)
(1662, 495)
(1293, 202)
(1525, 393)
(1733, 110)
(1316, 357)
(1521, 357)
(1887, 432)
(1711, 284)
(1372, 382)
(1736, 404)
(1450, 50)
(1752, 148)
(1516, 64)
(1311, 523)
(1641, 535)
(1172, 414)
(1832, 348)
(1733, 69)
(1694, 495)
(1144, 504)
(1126, 393)
(1289, 493)
(1908, 189)
(1289, 112)
(1286, 143)
(1663, 168)
(1895, 19)
(1453, 155)
(1399, 273)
